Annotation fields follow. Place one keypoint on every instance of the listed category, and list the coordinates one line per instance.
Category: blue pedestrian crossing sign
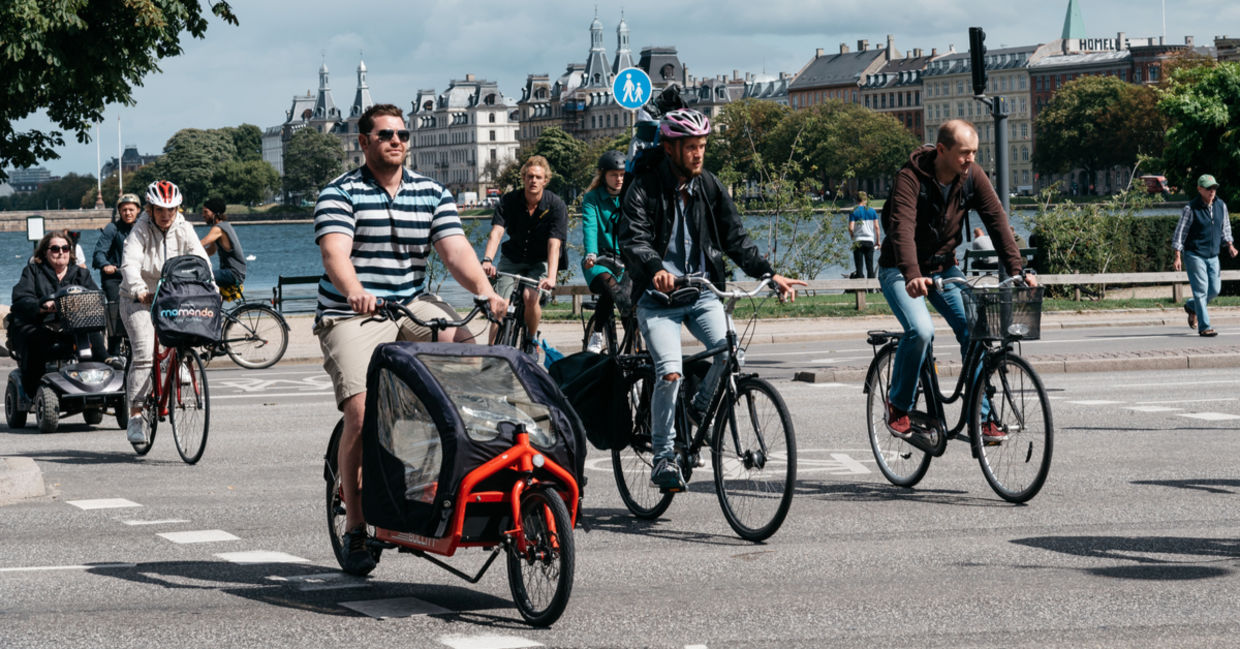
(631, 88)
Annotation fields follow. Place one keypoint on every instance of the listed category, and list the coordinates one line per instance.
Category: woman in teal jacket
(600, 215)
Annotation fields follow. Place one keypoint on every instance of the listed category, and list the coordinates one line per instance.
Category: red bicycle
(467, 446)
(179, 393)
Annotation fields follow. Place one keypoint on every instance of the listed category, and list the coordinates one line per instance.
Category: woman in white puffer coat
(158, 235)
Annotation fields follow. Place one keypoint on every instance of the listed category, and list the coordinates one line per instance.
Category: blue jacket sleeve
(103, 245)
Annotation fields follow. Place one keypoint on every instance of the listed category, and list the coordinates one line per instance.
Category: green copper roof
(1073, 25)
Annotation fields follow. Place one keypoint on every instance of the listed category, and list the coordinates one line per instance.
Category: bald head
(954, 130)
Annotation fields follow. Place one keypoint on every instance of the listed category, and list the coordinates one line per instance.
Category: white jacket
(147, 248)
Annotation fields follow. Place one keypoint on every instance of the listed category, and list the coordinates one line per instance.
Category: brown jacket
(922, 233)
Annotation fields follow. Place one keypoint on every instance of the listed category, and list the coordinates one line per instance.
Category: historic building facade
(896, 89)
(463, 137)
(838, 76)
(319, 111)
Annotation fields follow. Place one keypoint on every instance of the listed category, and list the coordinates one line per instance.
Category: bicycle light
(740, 357)
(539, 461)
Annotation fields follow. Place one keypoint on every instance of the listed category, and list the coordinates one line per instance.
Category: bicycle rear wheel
(754, 453)
(336, 520)
(189, 405)
(903, 464)
(255, 337)
(633, 463)
(541, 577)
(1016, 468)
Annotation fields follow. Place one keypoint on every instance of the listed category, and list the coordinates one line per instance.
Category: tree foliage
(311, 160)
(1202, 105)
(244, 181)
(1095, 123)
(248, 139)
(71, 58)
(564, 153)
(191, 159)
(734, 152)
(67, 193)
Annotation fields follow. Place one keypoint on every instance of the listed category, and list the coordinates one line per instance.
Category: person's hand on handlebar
(589, 261)
(547, 283)
(664, 282)
(363, 302)
(1031, 280)
(497, 304)
(785, 286)
(489, 268)
(918, 286)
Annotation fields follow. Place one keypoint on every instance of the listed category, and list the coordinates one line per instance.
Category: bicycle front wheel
(903, 464)
(189, 405)
(255, 337)
(633, 463)
(541, 576)
(754, 453)
(1016, 467)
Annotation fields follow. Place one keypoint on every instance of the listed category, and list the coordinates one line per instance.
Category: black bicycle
(604, 324)
(254, 336)
(747, 426)
(512, 330)
(994, 373)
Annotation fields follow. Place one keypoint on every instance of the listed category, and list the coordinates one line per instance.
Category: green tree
(64, 193)
(1095, 123)
(1202, 105)
(564, 153)
(246, 182)
(71, 58)
(311, 160)
(839, 142)
(248, 140)
(192, 158)
(739, 134)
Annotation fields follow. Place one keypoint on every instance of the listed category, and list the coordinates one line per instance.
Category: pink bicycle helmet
(684, 122)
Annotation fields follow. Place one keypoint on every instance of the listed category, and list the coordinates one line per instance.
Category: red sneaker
(898, 423)
(992, 434)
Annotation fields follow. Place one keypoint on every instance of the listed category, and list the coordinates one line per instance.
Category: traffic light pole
(999, 111)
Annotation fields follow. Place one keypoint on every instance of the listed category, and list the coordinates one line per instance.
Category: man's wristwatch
(486, 260)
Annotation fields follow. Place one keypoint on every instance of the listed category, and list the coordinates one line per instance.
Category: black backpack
(592, 384)
(186, 309)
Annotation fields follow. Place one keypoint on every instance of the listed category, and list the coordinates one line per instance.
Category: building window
(491, 118)
(492, 135)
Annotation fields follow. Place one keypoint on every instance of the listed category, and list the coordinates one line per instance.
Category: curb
(20, 478)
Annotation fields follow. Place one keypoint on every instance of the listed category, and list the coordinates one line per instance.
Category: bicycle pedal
(672, 490)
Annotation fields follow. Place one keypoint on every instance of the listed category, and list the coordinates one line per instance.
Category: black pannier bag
(592, 383)
(433, 414)
(186, 308)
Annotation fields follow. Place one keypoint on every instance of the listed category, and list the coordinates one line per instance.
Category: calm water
(289, 249)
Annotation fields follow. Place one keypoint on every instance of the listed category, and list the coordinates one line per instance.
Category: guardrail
(1178, 281)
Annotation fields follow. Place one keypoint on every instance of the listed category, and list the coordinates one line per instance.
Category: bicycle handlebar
(940, 282)
(610, 262)
(702, 282)
(525, 281)
(391, 310)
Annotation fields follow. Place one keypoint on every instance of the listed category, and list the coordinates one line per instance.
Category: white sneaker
(136, 432)
(596, 343)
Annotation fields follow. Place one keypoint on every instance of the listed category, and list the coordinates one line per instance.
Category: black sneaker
(357, 557)
(666, 475)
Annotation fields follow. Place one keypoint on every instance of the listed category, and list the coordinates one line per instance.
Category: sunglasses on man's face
(59, 249)
(387, 133)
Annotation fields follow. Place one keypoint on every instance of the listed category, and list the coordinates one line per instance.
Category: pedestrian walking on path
(1204, 226)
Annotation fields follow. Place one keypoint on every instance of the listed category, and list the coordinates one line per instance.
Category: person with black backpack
(924, 221)
(158, 235)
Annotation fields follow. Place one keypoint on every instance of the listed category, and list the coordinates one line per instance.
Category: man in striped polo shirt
(375, 226)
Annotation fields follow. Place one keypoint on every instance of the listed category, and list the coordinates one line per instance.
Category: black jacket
(37, 285)
(110, 245)
(650, 209)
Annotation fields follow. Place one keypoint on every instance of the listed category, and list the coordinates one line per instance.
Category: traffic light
(977, 59)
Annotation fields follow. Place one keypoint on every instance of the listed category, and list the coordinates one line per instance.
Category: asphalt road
(1132, 543)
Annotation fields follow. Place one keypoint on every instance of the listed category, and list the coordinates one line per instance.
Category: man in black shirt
(536, 221)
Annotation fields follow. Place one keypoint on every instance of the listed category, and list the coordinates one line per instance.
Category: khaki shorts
(348, 343)
(504, 285)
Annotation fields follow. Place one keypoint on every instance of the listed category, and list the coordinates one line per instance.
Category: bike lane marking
(1209, 416)
(260, 556)
(102, 503)
(383, 609)
(461, 641)
(199, 536)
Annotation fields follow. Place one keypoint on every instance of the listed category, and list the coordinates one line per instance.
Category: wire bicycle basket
(995, 313)
(81, 309)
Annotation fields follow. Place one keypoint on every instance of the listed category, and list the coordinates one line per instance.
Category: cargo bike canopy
(433, 414)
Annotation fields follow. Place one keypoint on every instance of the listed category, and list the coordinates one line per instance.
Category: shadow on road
(1208, 485)
(311, 588)
(78, 457)
(622, 521)
(1155, 558)
(876, 492)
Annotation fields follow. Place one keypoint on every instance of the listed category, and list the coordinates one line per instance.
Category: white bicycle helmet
(164, 194)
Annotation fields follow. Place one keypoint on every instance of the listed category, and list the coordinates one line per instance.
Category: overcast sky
(250, 73)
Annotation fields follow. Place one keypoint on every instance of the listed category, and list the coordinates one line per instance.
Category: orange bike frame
(519, 458)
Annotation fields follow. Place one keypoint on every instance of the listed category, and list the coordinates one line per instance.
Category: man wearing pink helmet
(678, 220)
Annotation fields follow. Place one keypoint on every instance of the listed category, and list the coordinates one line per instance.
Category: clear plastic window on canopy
(407, 431)
(486, 391)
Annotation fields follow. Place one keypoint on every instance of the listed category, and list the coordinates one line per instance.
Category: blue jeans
(660, 327)
(919, 330)
(1203, 277)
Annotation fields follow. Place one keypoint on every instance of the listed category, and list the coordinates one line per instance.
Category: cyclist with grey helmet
(109, 248)
(679, 220)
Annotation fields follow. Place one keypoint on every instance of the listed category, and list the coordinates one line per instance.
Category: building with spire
(319, 111)
(1073, 25)
(624, 55)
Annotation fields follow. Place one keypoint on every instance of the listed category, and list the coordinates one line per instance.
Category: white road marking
(76, 567)
(165, 521)
(1094, 402)
(1174, 383)
(267, 395)
(848, 464)
(1152, 408)
(199, 536)
(1210, 416)
(832, 385)
(395, 607)
(696, 646)
(261, 556)
(1192, 400)
(323, 581)
(103, 503)
(457, 641)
